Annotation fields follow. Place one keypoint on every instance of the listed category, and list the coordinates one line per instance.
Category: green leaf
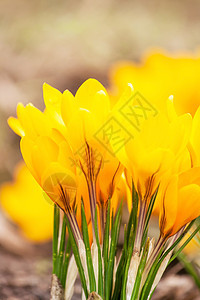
(189, 268)
(154, 269)
(106, 238)
(185, 244)
(61, 248)
(128, 260)
(125, 240)
(88, 251)
(118, 277)
(100, 268)
(135, 201)
(131, 233)
(77, 259)
(141, 267)
(55, 236)
(130, 223)
(148, 215)
(120, 269)
(145, 293)
(112, 252)
(66, 263)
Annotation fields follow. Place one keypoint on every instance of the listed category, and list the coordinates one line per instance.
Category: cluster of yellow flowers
(101, 147)
(95, 135)
(80, 146)
(158, 76)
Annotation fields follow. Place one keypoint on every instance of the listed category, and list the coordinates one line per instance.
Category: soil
(28, 277)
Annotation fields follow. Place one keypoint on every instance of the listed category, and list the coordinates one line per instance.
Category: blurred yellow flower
(160, 75)
(194, 146)
(181, 202)
(26, 204)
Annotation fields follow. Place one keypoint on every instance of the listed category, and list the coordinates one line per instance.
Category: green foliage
(100, 263)
(112, 283)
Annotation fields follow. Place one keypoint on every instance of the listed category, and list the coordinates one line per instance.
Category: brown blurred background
(63, 43)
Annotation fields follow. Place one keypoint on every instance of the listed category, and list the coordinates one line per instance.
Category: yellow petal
(43, 153)
(33, 121)
(180, 133)
(26, 146)
(25, 121)
(38, 121)
(85, 94)
(66, 157)
(189, 177)
(16, 126)
(188, 205)
(168, 214)
(52, 98)
(68, 106)
(100, 106)
(171, 113)
(81, 128)
(54, 176)
(111, 170)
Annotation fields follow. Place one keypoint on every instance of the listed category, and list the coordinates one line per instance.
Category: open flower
(59, 146)
(89, 110)
(47, 155)
(25, 203)
(45, 151)
(154, 150)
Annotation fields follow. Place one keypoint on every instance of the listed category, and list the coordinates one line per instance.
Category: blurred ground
(29, 279)
(63, 43)
(26, 279)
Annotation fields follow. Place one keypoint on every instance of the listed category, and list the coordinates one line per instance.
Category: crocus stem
(160, 243)
(55, 236)
(92, 196)
(103, 213)
(140, 226)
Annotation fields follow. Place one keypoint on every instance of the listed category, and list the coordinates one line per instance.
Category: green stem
(61, 248)
(55, 236)
(66, 263)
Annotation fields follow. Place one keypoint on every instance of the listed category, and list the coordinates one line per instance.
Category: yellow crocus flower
(160, 75)
(26, 204)
(83, 116)
(61, 144)
(154, 150)
(181, 203)
(183, 160)
(47, 155)
(45, 151)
